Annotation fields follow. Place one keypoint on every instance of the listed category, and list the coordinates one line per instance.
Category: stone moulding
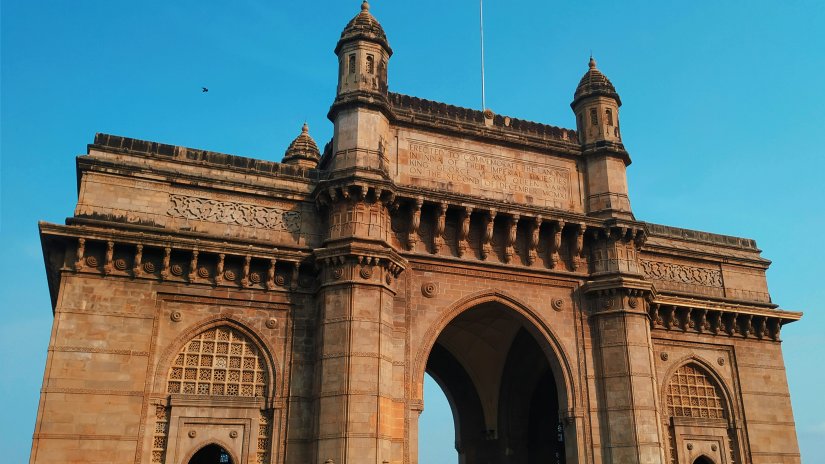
(227, 212)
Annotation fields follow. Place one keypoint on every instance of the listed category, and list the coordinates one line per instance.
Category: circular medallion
(120, 264)
(338, 272)
(255, 278)
(233, 434)
(203, 272)
(557, 304)
(366, 272)
(192, 434)
(271, 323)
(279, 280)
(664, 356)
(429, 289)
(713, 447)
(229, 275)
(721, 361)
(91, 261)
(176, 269)
(176, 316)
(149, 267)
(633, 301)
(690, 446)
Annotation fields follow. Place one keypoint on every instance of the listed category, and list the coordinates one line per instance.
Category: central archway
(496, 368)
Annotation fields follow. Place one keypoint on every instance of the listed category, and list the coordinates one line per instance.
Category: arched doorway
(211, 454)
(501, 387)
(703, 460)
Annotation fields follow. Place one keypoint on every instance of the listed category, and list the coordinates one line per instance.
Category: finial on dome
(305, 129)
(592, 62)
(365, 6)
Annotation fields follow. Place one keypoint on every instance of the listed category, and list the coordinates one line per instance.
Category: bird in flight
(204, 89)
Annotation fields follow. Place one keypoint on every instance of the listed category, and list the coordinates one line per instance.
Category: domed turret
(303, 151)
(594, 83)
(364, 26)
(363, 54)
(596, 105)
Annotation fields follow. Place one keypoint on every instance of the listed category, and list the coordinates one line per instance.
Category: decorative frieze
(679, 273)
(227, 212)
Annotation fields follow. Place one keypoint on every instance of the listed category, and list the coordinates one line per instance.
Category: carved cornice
(718, 319)
(165, 257)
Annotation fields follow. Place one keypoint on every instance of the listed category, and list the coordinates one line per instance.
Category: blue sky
(723, 110)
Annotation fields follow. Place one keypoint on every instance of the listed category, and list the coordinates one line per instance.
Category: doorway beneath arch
(501, 388)
(211, 454)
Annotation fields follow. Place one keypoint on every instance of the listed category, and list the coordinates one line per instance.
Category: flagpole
(481, 27)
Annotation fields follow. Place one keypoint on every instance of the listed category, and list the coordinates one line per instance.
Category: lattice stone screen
(220, 361)
(692, 394)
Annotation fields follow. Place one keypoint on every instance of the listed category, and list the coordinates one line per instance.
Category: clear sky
(724, 111)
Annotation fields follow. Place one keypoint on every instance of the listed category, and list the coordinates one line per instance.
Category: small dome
(303, 151)
(594, 83)
(364, 26)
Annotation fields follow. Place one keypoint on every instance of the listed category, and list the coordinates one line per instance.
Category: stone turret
(303, 151)
(596, 105)
(363, 54)
(361, 110)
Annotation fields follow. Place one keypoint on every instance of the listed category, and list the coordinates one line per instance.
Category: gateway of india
(210, 308)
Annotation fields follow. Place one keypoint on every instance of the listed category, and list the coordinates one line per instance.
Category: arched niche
(700, 418)
(217, 387)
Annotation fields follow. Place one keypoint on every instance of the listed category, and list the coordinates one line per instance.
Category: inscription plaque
(467, 171)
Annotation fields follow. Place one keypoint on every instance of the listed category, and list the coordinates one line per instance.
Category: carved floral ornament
(227, 212)
(164, 262)
(680, 273)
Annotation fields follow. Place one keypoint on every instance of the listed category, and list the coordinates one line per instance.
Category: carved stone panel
(227, 212)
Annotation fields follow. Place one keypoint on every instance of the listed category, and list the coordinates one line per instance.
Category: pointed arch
(548, 341)
(182, 342)
(702, 366)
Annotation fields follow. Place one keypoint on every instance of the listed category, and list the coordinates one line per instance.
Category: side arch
(724, 389)
(544, 335)
(273, 381)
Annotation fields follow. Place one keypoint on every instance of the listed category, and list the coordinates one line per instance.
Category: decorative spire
(592, 62)
(303, 151)
(365, 6)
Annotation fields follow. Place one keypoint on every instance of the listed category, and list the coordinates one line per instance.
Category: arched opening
(436, 427)
(500, 386)
(211, 454)
(703, 460)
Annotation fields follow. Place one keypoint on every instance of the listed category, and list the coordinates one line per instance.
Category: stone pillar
(360, 400)
(624, 372)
